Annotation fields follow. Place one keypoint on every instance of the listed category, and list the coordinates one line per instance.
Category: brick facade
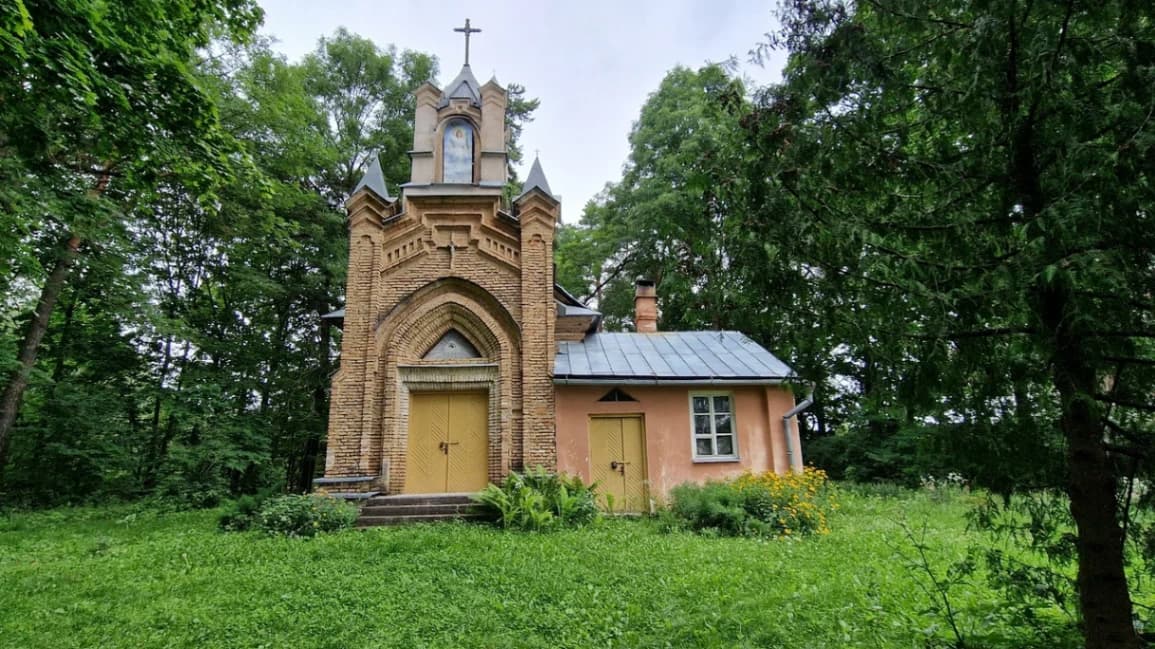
(445, 257)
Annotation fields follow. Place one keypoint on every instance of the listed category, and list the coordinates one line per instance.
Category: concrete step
(416, 508)
(373, 521)
(420, 499)
(449, 509)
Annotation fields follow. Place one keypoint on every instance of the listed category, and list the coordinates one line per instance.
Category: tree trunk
(30, 346)
(1104, 599)
(320, 411)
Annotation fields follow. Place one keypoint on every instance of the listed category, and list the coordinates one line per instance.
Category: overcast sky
(591, 63)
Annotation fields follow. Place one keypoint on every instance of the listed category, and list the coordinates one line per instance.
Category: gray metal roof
(681, 356)
(571, 310)
(561, 293)
(536, 179)
(465, 86)
(374, 179)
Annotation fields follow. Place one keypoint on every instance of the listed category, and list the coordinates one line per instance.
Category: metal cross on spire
(467, 30)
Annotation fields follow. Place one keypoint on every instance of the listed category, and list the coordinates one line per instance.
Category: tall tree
(102, 90)
(978, 175)
(670, 217)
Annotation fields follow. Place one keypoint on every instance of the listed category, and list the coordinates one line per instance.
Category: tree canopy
(185, 355)
(942, 217)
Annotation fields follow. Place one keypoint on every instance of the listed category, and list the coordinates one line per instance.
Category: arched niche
(458, 151)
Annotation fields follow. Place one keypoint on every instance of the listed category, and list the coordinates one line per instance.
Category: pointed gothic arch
(446, 308)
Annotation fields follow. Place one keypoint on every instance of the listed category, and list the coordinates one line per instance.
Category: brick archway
(403, 337)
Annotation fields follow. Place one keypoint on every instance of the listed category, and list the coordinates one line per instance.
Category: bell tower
(447, 260)
(459, 134)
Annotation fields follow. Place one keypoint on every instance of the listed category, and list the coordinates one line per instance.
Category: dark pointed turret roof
(464, 86)
(536, 180)
(374, 180)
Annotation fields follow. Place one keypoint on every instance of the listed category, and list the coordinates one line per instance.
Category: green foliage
(1031, 558)
(714, 508)
(303, 515)
(968, 189)
(77, 577)
(871, 454)
(669, 217)
(186, 360)
(754, 505)
(539, 500)
(243, 513)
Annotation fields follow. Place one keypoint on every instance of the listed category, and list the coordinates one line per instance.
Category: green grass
(111, 578)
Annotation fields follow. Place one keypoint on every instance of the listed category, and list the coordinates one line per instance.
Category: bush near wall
(293, 515)
(764, 504)
(538, 500)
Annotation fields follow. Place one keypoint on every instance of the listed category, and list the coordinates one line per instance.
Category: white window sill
(716, 460)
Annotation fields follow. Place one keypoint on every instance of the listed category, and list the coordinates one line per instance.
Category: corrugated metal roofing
(668, 355)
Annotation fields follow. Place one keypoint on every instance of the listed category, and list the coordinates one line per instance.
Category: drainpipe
(806, 403)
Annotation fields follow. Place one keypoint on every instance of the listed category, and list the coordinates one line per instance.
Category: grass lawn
(111, 578)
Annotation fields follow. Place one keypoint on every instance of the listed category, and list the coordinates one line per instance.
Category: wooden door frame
(462, 387)
(447, 377)
(641, 417)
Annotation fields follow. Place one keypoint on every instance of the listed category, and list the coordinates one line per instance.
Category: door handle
(620, 467)
(444, 446)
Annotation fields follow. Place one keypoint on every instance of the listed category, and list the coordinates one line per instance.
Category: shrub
(305, 515)
(241, 514)
(539, 500)
(765, 504)
(714, 507)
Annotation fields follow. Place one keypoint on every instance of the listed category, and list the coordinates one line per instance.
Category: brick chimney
(646, 307)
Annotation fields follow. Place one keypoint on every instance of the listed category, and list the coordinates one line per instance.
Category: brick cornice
(365, 207)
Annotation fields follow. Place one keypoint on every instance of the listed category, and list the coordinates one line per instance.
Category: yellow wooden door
(426, 462)
(618, 462)
(448, 442)
(468, 444)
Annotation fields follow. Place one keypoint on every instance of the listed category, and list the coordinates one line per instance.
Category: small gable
(616, 395)
(452, 346)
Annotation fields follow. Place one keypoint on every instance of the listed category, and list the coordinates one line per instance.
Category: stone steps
(418, 508)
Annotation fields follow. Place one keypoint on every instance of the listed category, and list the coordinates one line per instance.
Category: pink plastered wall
(665, 410)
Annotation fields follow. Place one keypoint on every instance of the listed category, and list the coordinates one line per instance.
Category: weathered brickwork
(572, 328)
(445, 257)
(538, 218)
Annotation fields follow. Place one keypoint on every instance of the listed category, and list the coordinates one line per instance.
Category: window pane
(701, 404)
(722, 424)
(721, 404)
(701, 424)
(725, 445)
(704, 447)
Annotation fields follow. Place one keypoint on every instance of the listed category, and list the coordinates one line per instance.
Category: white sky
(591, 63)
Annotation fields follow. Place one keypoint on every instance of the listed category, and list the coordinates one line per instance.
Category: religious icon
(457, 152)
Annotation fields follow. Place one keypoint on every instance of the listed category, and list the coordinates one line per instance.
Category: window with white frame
(712, 419)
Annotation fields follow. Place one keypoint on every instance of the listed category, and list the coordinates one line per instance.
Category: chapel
(462, 360)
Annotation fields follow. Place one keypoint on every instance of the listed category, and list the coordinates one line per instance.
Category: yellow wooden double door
(448, 442)
(618, 462)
